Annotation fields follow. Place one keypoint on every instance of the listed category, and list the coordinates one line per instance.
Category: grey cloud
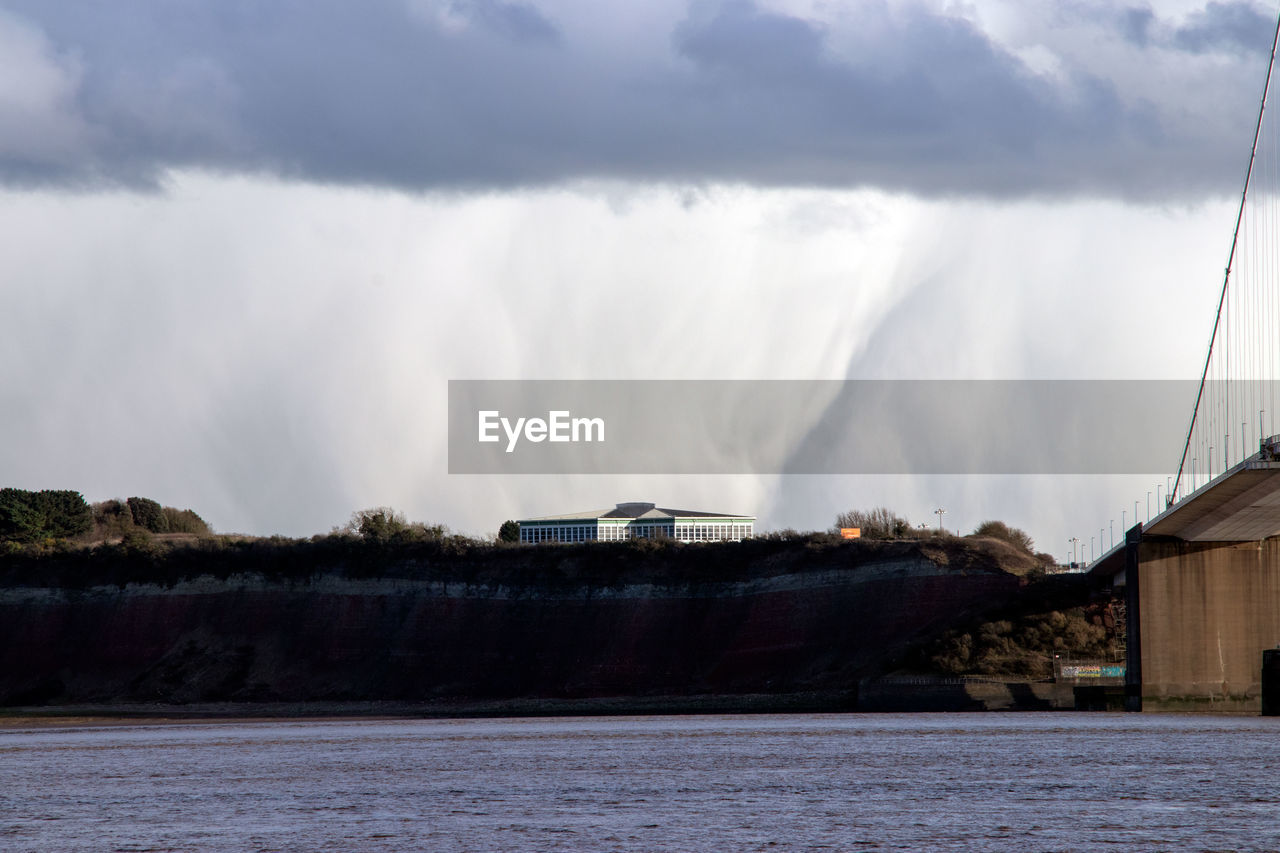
(1234, 28)
(373, 93)
(1226, 27)
(1136, 23)
(515, 20)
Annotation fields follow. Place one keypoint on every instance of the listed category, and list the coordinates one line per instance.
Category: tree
(49, 514)
(878, 523)
(148, 514)
(509, 531)
(20, 519)
(380, 524)
(1012, 535)
(66, 513)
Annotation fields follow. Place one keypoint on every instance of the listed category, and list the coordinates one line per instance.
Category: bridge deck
(1242, 505)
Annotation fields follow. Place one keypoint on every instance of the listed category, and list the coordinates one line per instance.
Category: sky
(247, 245)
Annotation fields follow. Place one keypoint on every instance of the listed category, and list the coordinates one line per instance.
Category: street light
(939, 512)
(1074, 540)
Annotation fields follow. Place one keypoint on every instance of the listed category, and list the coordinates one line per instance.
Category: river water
(965, 782)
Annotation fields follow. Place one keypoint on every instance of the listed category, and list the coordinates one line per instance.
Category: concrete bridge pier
(1271, 683)
(1200, 616)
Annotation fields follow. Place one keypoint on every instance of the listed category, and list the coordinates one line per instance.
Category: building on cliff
(637, 521)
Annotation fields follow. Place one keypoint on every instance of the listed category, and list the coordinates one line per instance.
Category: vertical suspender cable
(1235, 236)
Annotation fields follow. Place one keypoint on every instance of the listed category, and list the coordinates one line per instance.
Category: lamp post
(1112, 525)
(939, 512)
(1148, 506)
(1074, 540)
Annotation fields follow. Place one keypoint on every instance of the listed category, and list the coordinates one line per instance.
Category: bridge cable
(1235, 236)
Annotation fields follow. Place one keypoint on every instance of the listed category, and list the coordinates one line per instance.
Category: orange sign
(850, 532)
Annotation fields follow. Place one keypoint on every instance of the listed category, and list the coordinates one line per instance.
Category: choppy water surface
(860, 782)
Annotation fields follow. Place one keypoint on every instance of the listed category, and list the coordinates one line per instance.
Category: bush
(1020, 647)
(111, 518)
(138, 539)
(509, 532)
(185, 521)
(1012, 535)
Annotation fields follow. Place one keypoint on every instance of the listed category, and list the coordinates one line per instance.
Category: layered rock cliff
(535, 622)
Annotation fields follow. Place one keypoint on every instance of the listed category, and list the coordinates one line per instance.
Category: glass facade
(621, 529)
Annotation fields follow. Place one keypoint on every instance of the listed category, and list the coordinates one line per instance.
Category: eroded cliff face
(786, 623)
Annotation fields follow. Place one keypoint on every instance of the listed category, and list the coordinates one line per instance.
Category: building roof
(637, 509)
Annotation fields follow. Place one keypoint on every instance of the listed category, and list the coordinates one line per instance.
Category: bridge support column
(1133, 609)
(1271, 683)
(1207, 611)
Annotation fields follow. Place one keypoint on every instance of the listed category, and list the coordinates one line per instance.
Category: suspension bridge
(1200, 581)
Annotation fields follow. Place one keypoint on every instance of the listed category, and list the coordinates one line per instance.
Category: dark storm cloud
(493, 94)
(968, 117)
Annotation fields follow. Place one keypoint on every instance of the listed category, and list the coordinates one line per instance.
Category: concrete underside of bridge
(1205, 611)
(1242, 505)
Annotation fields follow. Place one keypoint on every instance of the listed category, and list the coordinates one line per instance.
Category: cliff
(548, 623)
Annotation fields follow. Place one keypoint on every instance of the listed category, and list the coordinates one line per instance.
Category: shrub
(1020, 647)
(185, 521)
(1012, 535)
(111, 518)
